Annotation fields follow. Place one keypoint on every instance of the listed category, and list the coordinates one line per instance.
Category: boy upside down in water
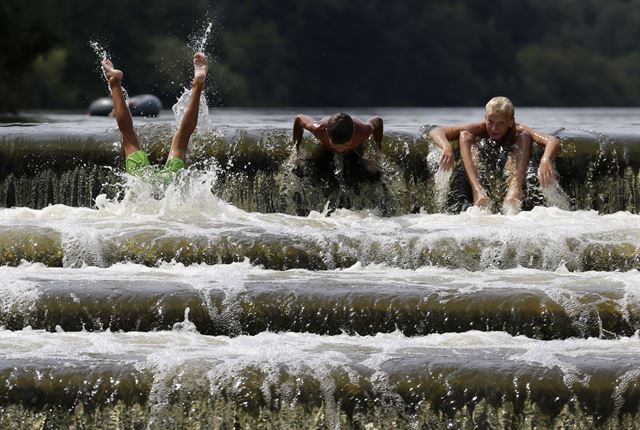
(136, 160)
(497, 133)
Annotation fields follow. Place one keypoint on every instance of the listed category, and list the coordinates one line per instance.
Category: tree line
(326, 52)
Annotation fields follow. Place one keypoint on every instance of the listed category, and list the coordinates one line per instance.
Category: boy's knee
(466, 136)
(525, 139)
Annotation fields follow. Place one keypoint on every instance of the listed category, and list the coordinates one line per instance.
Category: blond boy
(499, 131)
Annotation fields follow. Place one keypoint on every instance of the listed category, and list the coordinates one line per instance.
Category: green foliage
(25, 32)
(327, 53)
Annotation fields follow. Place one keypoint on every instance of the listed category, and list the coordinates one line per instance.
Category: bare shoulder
(525, 129)
(305, 121)
(476, 128)
(321, 125)
(362, 126)
(538, 136)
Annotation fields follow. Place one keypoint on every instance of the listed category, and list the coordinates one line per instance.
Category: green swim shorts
(138, 162)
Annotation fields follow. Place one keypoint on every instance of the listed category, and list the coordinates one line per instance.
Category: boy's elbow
(376, 121)
(436, 131)
(299, 120)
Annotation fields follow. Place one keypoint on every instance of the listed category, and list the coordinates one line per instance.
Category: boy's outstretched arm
(301, 123)
(551, 149)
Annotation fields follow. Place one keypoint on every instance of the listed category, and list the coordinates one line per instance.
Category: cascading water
(253, 292)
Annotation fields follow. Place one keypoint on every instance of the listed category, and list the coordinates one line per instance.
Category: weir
(256, 292)
(42, 165)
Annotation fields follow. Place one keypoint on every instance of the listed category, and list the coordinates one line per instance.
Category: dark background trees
(327, 52)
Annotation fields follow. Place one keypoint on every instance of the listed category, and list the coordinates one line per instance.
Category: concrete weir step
(177, 378)
(319, 244)
(243, 299)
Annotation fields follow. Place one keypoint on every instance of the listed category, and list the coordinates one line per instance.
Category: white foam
(543, 238)
(299, 350)
(17, 296)
(191, 202)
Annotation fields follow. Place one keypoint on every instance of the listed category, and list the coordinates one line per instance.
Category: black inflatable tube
(141, 105)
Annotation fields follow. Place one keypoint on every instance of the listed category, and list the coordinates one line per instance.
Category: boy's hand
(480, 197)
(545, 172)
(446, 159)
(373, 165)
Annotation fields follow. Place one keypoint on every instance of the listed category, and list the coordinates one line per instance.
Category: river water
(246, 295)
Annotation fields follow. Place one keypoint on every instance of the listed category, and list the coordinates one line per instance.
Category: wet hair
(340, 128)
(500, 105)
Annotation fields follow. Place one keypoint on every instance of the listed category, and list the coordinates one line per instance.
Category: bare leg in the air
(121, 110)
(189, 121)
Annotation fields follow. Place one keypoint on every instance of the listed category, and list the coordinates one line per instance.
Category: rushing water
(249, 294)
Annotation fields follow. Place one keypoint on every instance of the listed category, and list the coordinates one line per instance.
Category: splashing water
(554, 195)
(187, 198)
(185, 326)
(441, 177)
(103, 54)
(99, 50)
(441, 180)
(180, 107)
(199, 45)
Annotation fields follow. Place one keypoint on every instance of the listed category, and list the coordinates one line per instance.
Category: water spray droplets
(103, 54)
(185, 326)
(99, 50)
(200, 44)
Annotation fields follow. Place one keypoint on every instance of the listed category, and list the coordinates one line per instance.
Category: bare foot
(481, 201)
(113, 75)
(480, 198)
(200, 68)
(511, 206)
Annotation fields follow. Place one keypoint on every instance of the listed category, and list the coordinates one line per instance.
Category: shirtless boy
(504, 133)
(135, 158)
(339, 133)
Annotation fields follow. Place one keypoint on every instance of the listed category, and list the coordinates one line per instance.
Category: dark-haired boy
(339, 133)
